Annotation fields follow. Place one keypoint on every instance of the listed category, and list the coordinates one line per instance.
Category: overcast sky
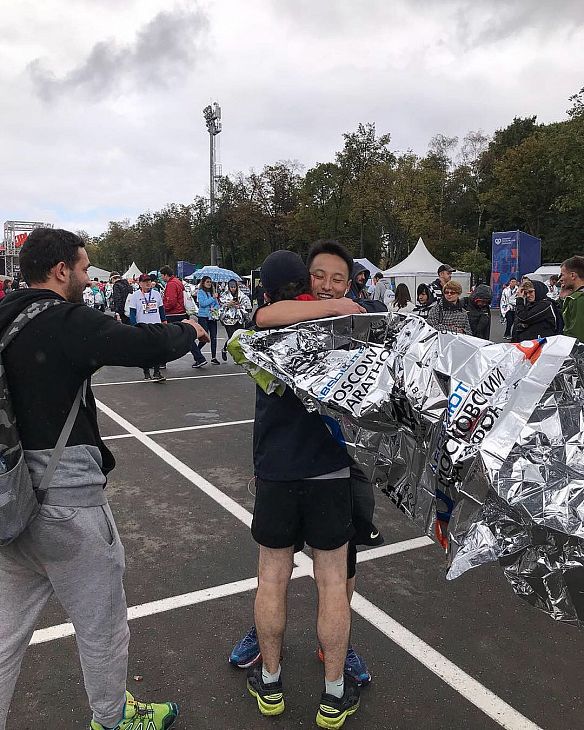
(101, 99)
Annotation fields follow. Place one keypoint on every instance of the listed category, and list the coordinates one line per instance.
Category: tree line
(377, 201)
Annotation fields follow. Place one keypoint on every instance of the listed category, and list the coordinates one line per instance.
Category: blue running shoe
(355, 667)
(246, 652)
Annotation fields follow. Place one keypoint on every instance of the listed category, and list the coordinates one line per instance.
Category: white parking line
(168, 380)
(60, 631)
(211, 491)
(177, 430)
(475, 692)
(468, 687)
(393, 549)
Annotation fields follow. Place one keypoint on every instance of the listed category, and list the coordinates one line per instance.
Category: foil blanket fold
(480, 444)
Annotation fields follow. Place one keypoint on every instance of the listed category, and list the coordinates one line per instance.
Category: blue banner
(514, 253)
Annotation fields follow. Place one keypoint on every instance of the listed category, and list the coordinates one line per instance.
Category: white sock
(335, 688)
(268, 678)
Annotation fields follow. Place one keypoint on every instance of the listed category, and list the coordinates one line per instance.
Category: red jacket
(174, 298)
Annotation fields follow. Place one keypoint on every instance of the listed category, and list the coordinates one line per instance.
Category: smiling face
(329, 276)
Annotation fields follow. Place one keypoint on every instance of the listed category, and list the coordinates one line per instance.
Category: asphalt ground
(460, 654)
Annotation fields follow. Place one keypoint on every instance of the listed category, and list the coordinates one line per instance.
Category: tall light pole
(212, 114)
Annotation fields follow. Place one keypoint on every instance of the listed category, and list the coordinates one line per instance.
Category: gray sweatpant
(75, 553)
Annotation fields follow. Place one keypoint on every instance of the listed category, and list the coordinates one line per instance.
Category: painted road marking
(177, 430)
(60, 631)
(169, 380)
(468, 687)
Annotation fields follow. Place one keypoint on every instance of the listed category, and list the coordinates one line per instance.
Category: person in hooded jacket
(359, 277)
(536, 315)
(479, 311)
(425, 301)
(358, 292)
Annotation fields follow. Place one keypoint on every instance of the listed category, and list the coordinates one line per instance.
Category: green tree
(362, 152)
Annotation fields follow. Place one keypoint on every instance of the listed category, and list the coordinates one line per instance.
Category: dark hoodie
(359, 294)
(358, 291)
(535, 319)
(479, 313)
(48, 361)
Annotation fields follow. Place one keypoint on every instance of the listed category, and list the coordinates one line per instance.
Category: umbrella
(216, 273)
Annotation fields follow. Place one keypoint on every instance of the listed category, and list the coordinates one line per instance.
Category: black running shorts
(315, 511)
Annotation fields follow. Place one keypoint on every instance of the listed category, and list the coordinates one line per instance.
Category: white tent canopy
(420, 267)
(95, 272)
(544, 272)
(371, 268)
(133, 272)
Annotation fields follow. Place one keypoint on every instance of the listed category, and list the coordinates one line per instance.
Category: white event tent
(101, 274)
(133, 272)
(371, 268)
(544, 272)
(420, 267)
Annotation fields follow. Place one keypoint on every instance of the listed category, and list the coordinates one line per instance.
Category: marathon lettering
(465, 425)
(456, 398)
(486, 424)
(329, 386)
(360, 381)
(492, 384)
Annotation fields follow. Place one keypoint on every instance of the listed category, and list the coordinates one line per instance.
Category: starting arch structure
(15, 234)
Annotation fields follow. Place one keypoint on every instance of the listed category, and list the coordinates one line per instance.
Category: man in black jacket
(72, 548)
(444, 276)
(120, 290)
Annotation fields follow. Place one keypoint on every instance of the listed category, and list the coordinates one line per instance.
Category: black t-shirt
(289, 443)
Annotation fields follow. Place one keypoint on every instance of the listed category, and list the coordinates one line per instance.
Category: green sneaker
(269, 697)
(144, 716)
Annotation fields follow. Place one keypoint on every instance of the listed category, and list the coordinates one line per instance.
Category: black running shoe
(158, 376)
(269, 697)
(215, 361)
(224, 355)
(199, 364)
(333, 711)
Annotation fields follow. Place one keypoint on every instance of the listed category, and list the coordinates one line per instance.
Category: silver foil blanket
(480, 444)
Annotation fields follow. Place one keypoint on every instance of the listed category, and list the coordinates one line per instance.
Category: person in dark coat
(479, 311)
(359, 276)
(120, 290)
(535, 313)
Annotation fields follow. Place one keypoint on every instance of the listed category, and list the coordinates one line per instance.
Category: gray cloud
(164, 50)
(470, 23)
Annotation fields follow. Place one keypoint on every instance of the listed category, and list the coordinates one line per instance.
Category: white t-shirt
(147, 306)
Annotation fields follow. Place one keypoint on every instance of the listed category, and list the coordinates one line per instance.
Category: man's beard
(74, 292)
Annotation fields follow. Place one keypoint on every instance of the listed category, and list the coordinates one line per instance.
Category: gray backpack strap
(41, 492)
(24, 318)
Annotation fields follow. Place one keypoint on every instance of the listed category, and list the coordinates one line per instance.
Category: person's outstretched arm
(287, 312)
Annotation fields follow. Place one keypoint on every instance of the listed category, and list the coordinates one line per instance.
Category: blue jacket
(205, 302)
